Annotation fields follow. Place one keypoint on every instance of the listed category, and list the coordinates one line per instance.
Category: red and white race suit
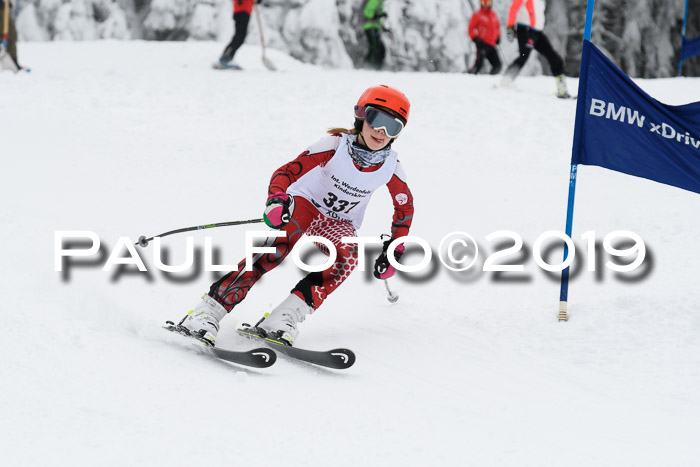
(330, 194)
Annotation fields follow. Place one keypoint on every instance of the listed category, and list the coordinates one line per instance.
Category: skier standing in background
(242, 9)
(323, 192)
(373, 13)
(485, 31)
(11, 51)
(526, 22)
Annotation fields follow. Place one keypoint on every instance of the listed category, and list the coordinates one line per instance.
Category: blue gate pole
(580, 108)
(564, 291)
(685, 19)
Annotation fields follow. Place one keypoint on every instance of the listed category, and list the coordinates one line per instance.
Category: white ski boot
(506, 81)
(281, 323)
(562, 92)
(203, 321)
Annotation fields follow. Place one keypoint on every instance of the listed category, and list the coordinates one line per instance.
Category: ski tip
(266, 357)
(344, 358)
(256, 358)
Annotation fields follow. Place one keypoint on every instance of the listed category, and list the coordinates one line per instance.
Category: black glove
(382, 268)
(498, 41)
(510, 33)
(259, 2)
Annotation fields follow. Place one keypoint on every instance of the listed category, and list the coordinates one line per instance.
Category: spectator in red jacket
(485, 31)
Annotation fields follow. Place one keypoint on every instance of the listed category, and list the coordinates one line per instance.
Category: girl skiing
(323, 192)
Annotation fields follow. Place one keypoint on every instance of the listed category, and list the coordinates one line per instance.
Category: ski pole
(503, 57)
(266, 61)
(143, 241)
(393, 296)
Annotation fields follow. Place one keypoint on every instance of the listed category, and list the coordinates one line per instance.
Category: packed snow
(137, 138)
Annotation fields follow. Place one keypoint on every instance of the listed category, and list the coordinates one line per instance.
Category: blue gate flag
(621, 128)
(689, 47)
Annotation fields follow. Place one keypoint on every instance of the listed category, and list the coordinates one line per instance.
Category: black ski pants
(483, 50)
(240, 21)
(529, 39)
(377, 51)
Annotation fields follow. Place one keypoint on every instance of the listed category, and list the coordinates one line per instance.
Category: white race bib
(339, 190)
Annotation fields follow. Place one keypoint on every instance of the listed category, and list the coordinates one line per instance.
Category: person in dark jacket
(8, 57)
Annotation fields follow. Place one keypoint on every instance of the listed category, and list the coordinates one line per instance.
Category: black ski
(338, 359)
(256, 358)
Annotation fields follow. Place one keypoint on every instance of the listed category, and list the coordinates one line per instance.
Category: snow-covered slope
(135, 138)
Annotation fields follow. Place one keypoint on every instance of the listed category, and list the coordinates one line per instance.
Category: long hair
(355, 130)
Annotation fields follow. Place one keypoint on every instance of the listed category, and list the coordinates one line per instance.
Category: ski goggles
(379, 120)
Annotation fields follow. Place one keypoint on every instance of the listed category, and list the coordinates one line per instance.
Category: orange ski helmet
(388, 98)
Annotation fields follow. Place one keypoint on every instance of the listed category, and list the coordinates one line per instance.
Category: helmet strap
(358, 125)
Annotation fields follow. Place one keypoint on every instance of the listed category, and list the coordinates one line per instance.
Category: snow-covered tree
(73, 19)
(641, 36)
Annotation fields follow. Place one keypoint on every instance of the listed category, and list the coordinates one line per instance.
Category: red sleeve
(473, 30)
(243, 6)
(494, 29)
(513, 12)
(294, 170)
(530, 6)
(403, 206)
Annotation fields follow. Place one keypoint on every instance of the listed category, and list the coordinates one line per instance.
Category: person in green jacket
(374, 12)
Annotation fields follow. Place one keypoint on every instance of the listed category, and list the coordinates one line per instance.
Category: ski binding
(257, 358)
(338, 359)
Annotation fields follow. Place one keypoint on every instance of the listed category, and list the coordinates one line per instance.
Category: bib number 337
(336, 204)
